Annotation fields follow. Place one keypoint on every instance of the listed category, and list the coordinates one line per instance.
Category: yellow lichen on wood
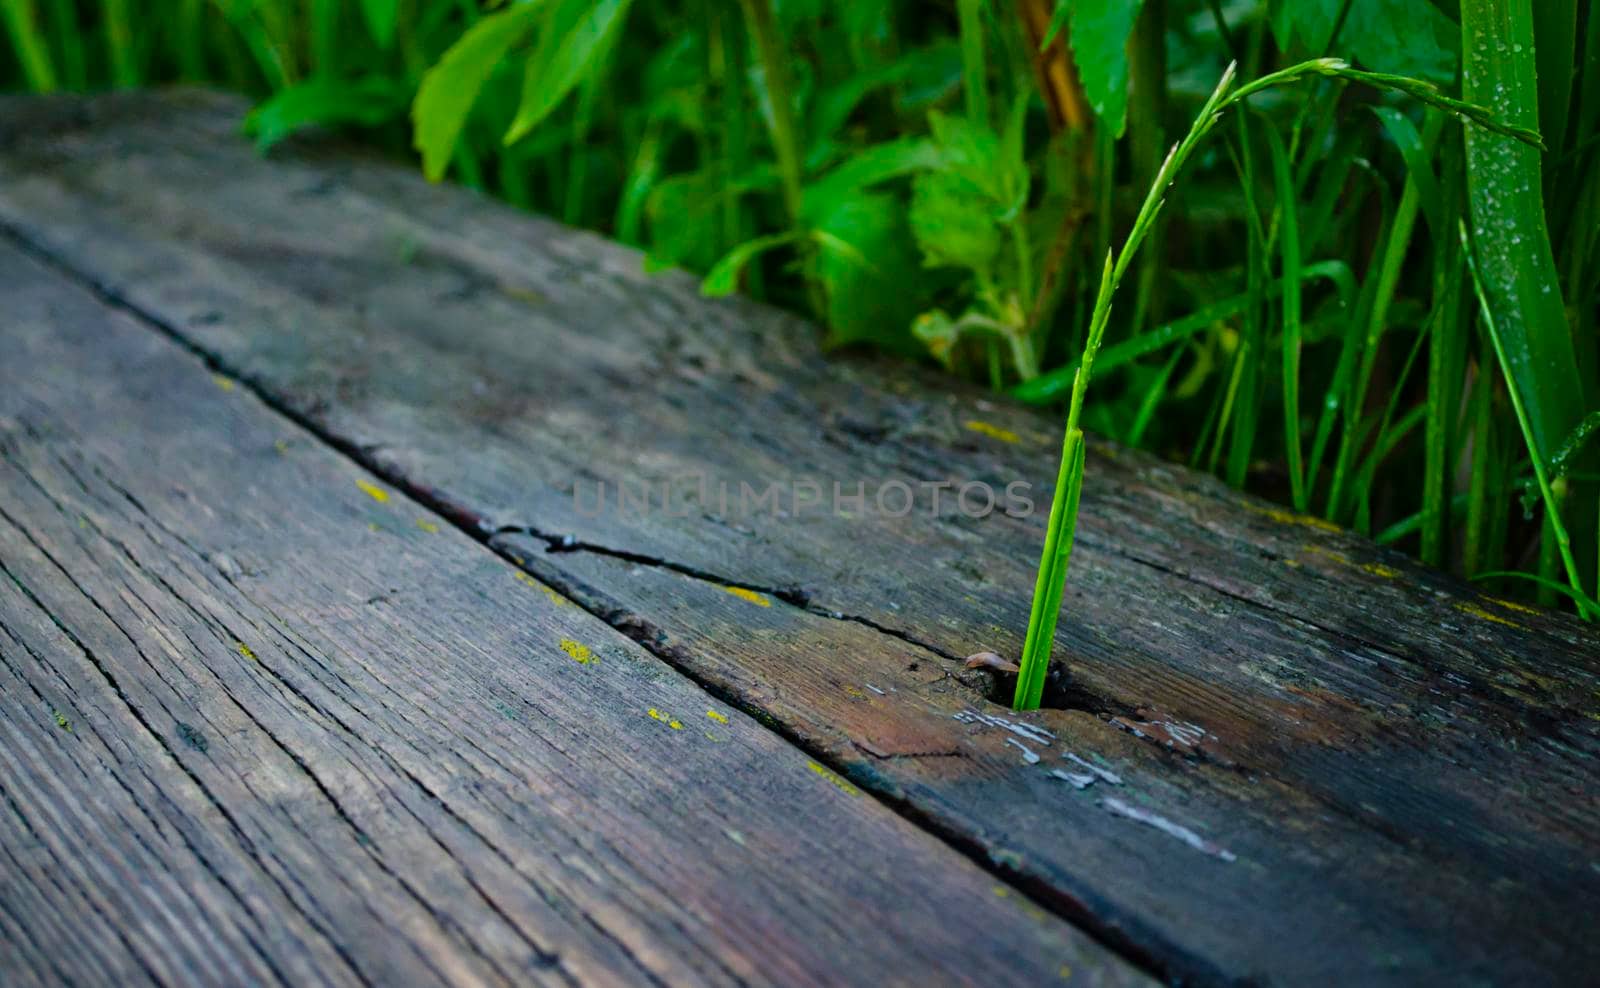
(666, 719)
(580, 653)
(1478, 612)
(524, 578)
(749, 595)
(372, 490)
(1283, 517)
(834, 778)
(992, 431)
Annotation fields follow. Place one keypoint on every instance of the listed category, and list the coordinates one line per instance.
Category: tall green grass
(946, 181)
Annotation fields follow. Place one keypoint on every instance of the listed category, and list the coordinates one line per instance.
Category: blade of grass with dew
(1514, 259)
(1552, 505)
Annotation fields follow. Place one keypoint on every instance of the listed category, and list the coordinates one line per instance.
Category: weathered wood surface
(267, 722)
(1402, 771)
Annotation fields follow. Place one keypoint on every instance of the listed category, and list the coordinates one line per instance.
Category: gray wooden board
(266, 720)
(1402, 768)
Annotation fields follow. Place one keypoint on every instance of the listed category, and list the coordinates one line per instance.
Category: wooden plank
(266, 720)
(1367, 739)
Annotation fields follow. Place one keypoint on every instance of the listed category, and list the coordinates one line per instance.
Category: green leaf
(835, 104)
(977, 155)
(723, 279)
(1409, 37)
(954, 222)
(571, 45)
(1508, 223)
(1099, 34)
(1568, 452)
(684, 218)
(1054, 385)
(450, 88)
(869, 272)
(1418, 166)
(369, 102)
(1058, 20)
(866, 168)
(381, 17)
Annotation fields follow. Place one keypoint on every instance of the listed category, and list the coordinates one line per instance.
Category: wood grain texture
(1401, 769)
(266, 720)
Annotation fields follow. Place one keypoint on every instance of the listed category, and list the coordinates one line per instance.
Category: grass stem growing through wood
(1060, 529)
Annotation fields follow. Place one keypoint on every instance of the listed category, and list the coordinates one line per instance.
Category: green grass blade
(974, 64)
(1051, 582)
(1244, 409)
(1513, 255)
(1552, 500)
(1584, 601)
(1390, 267)
(1055, 385)
(451, 87)
(1289, 248)
(69, 42)
(33, 51)
(572, 45)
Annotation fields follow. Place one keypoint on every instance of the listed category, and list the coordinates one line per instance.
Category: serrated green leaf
(1099, 35)
(572, 43)
(954, 222)
(450, 88)
(967, 150)
(369, 101)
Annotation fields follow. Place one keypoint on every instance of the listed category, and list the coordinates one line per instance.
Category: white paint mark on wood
(1161, 823)
(1095, 770)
